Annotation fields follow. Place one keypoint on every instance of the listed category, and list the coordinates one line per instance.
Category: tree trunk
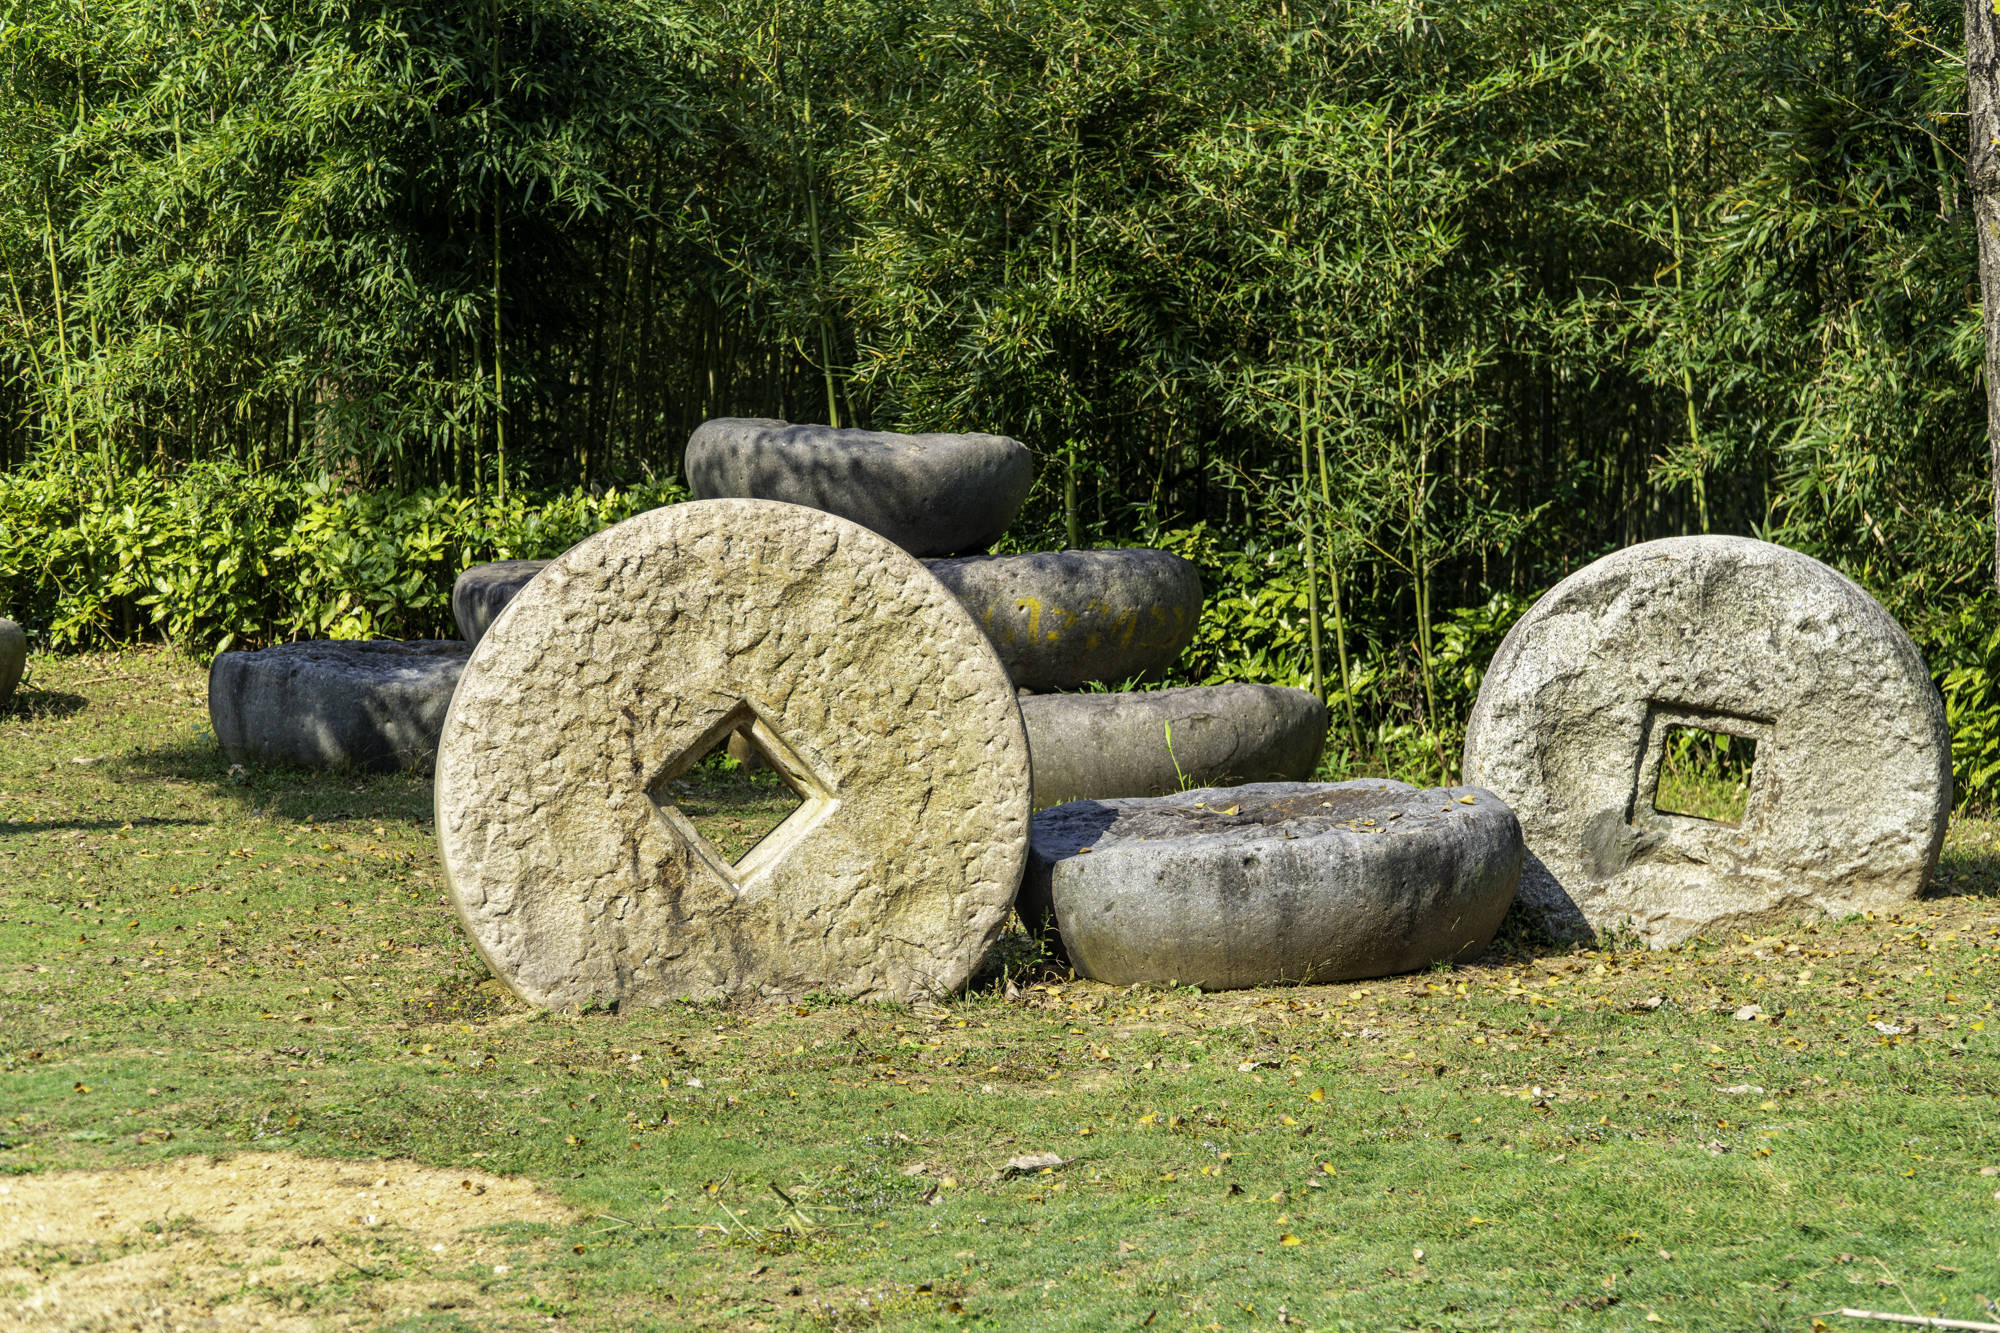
(1983, 175)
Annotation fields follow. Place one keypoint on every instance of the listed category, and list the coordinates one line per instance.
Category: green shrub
(213, 556)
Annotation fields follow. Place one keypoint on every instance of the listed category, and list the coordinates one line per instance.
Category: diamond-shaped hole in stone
(1705, 774)
(733, 797)
(751, 817)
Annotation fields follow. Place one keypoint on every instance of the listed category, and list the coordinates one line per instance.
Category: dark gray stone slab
(1273, 882)
(482, 592)
(375, 705)
(929, 494)
(1060, 619)
(1098, 746)
(13, 658)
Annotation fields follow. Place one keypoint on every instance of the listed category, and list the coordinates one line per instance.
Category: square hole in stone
(733, 798)
(1705, 775)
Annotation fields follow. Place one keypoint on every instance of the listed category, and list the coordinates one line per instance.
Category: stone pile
(1060, 620)
(899, 682)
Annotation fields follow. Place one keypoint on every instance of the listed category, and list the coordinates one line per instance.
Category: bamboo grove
(1389, 314)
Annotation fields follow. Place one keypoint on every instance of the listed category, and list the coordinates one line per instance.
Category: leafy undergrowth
(1747, 1133)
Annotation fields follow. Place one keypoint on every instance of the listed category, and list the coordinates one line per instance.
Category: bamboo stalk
(1333, 566)
(1312, 557)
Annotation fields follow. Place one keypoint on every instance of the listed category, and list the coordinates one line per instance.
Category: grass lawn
(251, 987)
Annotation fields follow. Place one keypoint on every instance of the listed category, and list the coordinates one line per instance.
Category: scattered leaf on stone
(1748, 1012)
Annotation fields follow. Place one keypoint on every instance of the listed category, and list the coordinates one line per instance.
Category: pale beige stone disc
(1844, 808)
(644, 647)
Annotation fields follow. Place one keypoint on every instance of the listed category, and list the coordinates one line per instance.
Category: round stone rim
(1851, 791)
(649, 643)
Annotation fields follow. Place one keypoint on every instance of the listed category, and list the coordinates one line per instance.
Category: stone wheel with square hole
(1843, 808)
(570, 846)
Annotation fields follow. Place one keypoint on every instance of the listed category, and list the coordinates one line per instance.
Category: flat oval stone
(929, 494)
(1851, 786)
(1061, 619)
(13, 658)
(337, 704)
(644, 648)
(1151, 742)
(1273, 882)
(482, 592)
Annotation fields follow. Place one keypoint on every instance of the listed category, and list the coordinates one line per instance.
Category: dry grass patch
(258, 1240)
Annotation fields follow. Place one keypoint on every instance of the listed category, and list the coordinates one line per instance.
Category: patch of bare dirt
(259, 1240)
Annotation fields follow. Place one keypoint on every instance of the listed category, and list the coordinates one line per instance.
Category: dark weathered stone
(483, 591)
(335, 704)
(1060, 619)
(1847, 800)
(1274, 882)
(13, 658)
(1151, 742)
(929, 494)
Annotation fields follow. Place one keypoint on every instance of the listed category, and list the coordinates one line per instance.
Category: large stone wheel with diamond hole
(637, 653)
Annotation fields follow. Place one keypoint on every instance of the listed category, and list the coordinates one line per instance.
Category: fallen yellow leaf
(1288, 1239)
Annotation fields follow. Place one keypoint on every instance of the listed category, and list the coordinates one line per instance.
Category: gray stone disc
(336, 704)
(1151, 742)
(481, 593)
(1274, 882)
(929, 494)
(642, 649)
(1847, 801)
(13, 658)
(1061, 619)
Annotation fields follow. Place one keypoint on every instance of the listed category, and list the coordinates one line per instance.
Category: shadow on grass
(32, 705)
(303, 796)
(1969, 866)
(11, 826)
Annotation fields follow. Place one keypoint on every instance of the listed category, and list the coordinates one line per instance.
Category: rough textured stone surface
(643, 648)
(13, 658)
(1847, 801)
(1098, 746)
(929, 494)
(482, 592)
(335, 704)
(1274, 882)
(1061, 619)
(1058, 619)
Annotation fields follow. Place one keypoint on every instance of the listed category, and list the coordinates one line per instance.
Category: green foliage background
(1390, 314)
